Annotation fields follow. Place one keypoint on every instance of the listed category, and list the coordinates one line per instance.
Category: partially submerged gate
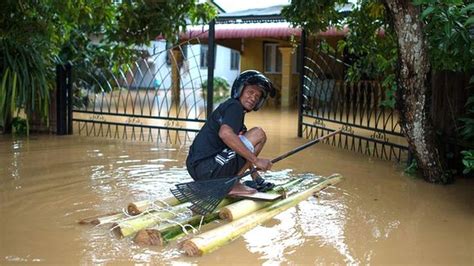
(328, 102)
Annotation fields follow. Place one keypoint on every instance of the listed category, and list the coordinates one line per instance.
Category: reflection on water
(375, 216)
(332, 215)
(277, 240)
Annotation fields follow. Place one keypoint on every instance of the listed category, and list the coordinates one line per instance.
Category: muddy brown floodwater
(377, 215)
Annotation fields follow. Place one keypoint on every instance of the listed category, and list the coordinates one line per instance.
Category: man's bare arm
(232, 140)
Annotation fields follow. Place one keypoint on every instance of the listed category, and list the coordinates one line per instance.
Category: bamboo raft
(161, 222)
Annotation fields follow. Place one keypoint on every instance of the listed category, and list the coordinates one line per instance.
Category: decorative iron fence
(157, 98)
(329, 103)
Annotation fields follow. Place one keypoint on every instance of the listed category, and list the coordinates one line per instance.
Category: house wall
(252, 55)
(155, 67)
(192, 75)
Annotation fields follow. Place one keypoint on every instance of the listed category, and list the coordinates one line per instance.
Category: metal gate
(157, 98)
(328, 102)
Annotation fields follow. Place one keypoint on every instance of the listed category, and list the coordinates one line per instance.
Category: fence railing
(328, 103)
(158, 97)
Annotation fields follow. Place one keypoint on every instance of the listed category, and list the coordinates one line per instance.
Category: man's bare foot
(240, 189)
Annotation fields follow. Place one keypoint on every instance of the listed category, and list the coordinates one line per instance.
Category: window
(272, 58)
(234, 60)
(204, 50)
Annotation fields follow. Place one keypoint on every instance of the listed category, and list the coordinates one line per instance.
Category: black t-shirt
(207, 142)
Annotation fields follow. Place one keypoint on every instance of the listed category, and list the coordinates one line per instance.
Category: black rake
(205, 195)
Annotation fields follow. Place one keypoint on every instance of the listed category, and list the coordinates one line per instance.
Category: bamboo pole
(163, 234)
(140, 222)
(241, 208)
(213, 239)
(133, 208)
(138, 207)
(130, 226)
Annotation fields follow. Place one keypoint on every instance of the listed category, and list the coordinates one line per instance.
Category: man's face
(250, 97)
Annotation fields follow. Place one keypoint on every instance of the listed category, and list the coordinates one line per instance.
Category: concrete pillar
(286, 76)
(176, 62)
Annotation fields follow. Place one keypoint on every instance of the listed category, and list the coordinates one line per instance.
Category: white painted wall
(192, 75)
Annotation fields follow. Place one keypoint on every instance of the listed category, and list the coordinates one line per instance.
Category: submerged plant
(412, 169)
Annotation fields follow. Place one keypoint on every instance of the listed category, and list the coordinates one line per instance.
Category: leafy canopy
(35, 35)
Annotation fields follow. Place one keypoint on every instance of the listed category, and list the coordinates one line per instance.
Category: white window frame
(270, 66)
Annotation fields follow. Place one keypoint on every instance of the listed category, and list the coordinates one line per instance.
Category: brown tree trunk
(414, 90)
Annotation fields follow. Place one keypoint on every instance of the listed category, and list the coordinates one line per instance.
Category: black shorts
(227, 163)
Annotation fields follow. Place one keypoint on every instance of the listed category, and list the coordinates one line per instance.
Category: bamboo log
(175, 231)
(165, 233)
(130, 226)
(138, 207)
(241, 208)
(213, 239)
(133, 208)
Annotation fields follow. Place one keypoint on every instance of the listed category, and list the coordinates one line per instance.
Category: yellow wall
(252, 56)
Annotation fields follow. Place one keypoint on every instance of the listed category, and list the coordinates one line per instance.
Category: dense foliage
(448, 28)
(35, 35)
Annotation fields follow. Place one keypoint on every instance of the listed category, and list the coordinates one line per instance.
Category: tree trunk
(414, 90)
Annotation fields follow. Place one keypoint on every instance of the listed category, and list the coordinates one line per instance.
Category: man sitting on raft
(224, 147)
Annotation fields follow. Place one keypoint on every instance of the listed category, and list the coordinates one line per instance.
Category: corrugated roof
(254, 30)
(238, 31)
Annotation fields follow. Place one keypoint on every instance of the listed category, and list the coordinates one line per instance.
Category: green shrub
(221, 90)
(19, 126)
(468, 161)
